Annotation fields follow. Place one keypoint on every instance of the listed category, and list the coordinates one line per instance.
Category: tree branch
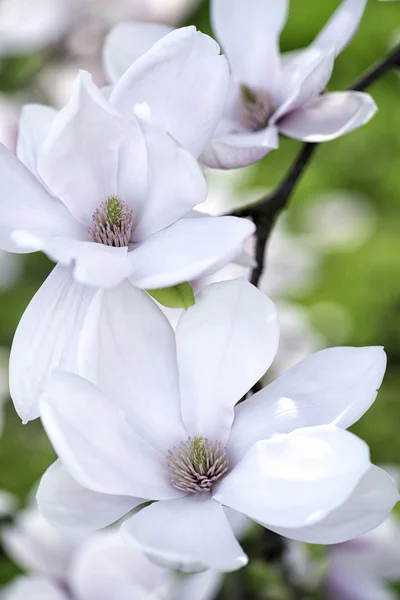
(267, 209)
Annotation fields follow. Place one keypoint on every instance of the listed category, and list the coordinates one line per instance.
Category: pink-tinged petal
(189, 249)
(80, 159)
(336, 385)
(127, 348)
(34, 126)
(107, 568)
(249, 35)
(367, 507)
(225, 344)
(110, 458)
(126, 42)
(304, 77)
(342, 26)
(329, 116)
(295, 480)
(175, 183)
(236, 150)
(33, 587)
(184, 80)
(66, 504)
(26, 206)
(189, 534)
(347, 583)
(46, 338)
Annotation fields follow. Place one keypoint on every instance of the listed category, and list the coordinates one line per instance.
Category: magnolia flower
(269, 93)
(106, 568)
(108, 195)
(152, 417)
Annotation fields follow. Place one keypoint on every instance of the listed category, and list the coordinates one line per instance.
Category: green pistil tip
(248, 94)
(114, 211)
(199, 453)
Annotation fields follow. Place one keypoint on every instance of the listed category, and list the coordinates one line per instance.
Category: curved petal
(249, 35)
(189, 249)
(65, 503)
(189, 534)
(34, 126)
(329, 116)
(295, 480)
(225, 344)
(127, 348)
(26, 206)
(109, 457)
(176, 183)
(33, 588)
(336, 385)
(126, 42)
(200, 586)
(236, 150)
(46, 338)
(368, 506)
(80, 159)
(184, 80)
(342, 26)
(304, 77)
(106, 568)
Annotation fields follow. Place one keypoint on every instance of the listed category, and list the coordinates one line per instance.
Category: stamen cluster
(195, 465)
(255, 109)
(112, 223)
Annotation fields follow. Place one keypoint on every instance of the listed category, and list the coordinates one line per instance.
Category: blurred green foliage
(365, 281)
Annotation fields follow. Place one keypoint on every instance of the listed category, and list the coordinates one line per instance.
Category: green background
(365, 281)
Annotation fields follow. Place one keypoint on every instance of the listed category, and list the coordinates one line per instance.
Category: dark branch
(266, 211)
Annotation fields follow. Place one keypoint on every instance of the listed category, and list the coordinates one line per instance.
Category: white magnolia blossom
(152, 416)
(66, 565)
(108, 195)
(269, 93)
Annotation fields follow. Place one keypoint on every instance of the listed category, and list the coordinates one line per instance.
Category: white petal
(347, 584)
(189, 249)
(236, 150)
(304, 77)
(368, 506)
(127, 348)
(296, 479)
(65, 503)
(46, 338)
(33, 588)
(93, 264)
(249, 35)
(107, 568)
(33, 128)
(80, 159)
(329, 116)
(225, 344)
(96, 444)
(126, 42)
(201, 586)
(189, 534)
(26, 206)
(184, 80)
(342, 26)
(176, 183)
(336, 385)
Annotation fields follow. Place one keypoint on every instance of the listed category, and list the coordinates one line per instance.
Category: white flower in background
(160, 423)
(109, 197)
(27, 26)
(8, 504)
(64, 564)
(269, 93)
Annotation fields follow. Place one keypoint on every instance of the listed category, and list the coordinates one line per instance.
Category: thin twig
(267, 209)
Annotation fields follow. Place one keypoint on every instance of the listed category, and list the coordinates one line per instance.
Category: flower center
(255, 109)
(195, 465)
(112, 223)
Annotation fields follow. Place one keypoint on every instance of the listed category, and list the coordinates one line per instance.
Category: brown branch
(267, 209)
